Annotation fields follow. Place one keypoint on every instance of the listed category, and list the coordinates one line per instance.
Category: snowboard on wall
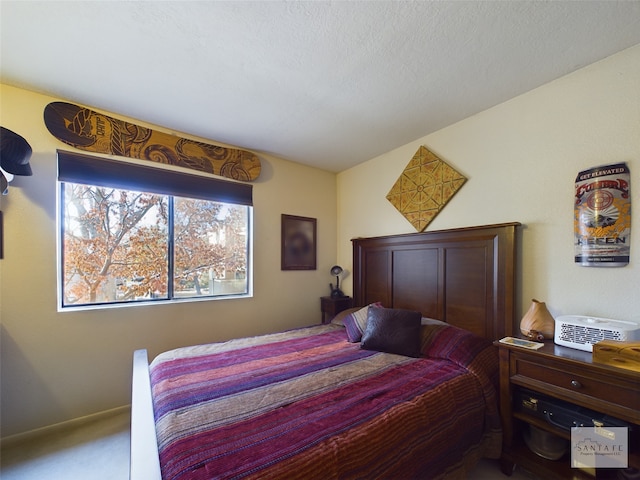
(96, 132)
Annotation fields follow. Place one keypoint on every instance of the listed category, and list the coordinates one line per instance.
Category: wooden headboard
(465, 276)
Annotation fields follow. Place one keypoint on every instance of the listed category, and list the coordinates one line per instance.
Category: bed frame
(465, 277)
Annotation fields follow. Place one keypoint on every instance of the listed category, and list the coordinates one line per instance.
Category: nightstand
(330, 306)
(571, 376)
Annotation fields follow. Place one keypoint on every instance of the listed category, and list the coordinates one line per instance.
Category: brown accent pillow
(393, 331)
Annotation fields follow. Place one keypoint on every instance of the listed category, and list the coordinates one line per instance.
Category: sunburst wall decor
(424, 188)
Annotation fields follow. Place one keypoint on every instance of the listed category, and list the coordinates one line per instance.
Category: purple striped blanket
(309, 404)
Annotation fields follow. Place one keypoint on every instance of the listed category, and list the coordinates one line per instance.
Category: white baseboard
(19, 438)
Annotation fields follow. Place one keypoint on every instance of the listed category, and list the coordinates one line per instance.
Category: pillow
(451, 343)
(356, 322)
(432, 321)
(339, 318)
(393, 331)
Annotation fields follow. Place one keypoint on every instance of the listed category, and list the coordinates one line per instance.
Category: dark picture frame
(298, 239)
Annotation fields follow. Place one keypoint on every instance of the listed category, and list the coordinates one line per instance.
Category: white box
(581, 332)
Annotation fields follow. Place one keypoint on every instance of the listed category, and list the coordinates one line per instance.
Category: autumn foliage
(117, 248)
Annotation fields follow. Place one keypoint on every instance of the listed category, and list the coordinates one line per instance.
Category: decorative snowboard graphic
(602, 216)
(95, 132)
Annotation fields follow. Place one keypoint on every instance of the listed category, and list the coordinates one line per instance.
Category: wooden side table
(332, 306)
(569, 375)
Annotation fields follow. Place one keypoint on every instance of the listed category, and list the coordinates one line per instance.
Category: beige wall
(59, 366)
(521, 159)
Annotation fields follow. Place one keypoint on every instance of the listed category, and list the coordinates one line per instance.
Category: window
(130, 233)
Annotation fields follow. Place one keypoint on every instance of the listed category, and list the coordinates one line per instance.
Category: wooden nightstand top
(331, 306)
(559, 353)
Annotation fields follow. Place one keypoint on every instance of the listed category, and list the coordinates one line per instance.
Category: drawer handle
(576, 384)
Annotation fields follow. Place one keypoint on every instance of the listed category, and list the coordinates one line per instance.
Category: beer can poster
(602, 216)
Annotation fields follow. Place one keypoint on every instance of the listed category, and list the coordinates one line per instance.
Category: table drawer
(577, 385)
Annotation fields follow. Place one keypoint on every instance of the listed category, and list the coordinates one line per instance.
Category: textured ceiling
(329, 84)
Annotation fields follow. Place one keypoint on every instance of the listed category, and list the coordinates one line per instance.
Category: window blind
(106, 172)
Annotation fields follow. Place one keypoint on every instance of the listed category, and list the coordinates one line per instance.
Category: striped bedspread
(309, 404)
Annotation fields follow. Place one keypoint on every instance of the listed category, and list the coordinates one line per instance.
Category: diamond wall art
(424, 188)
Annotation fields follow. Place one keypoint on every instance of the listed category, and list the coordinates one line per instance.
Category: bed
(401, 386)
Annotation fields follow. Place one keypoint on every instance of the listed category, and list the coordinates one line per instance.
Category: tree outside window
(122, 246)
